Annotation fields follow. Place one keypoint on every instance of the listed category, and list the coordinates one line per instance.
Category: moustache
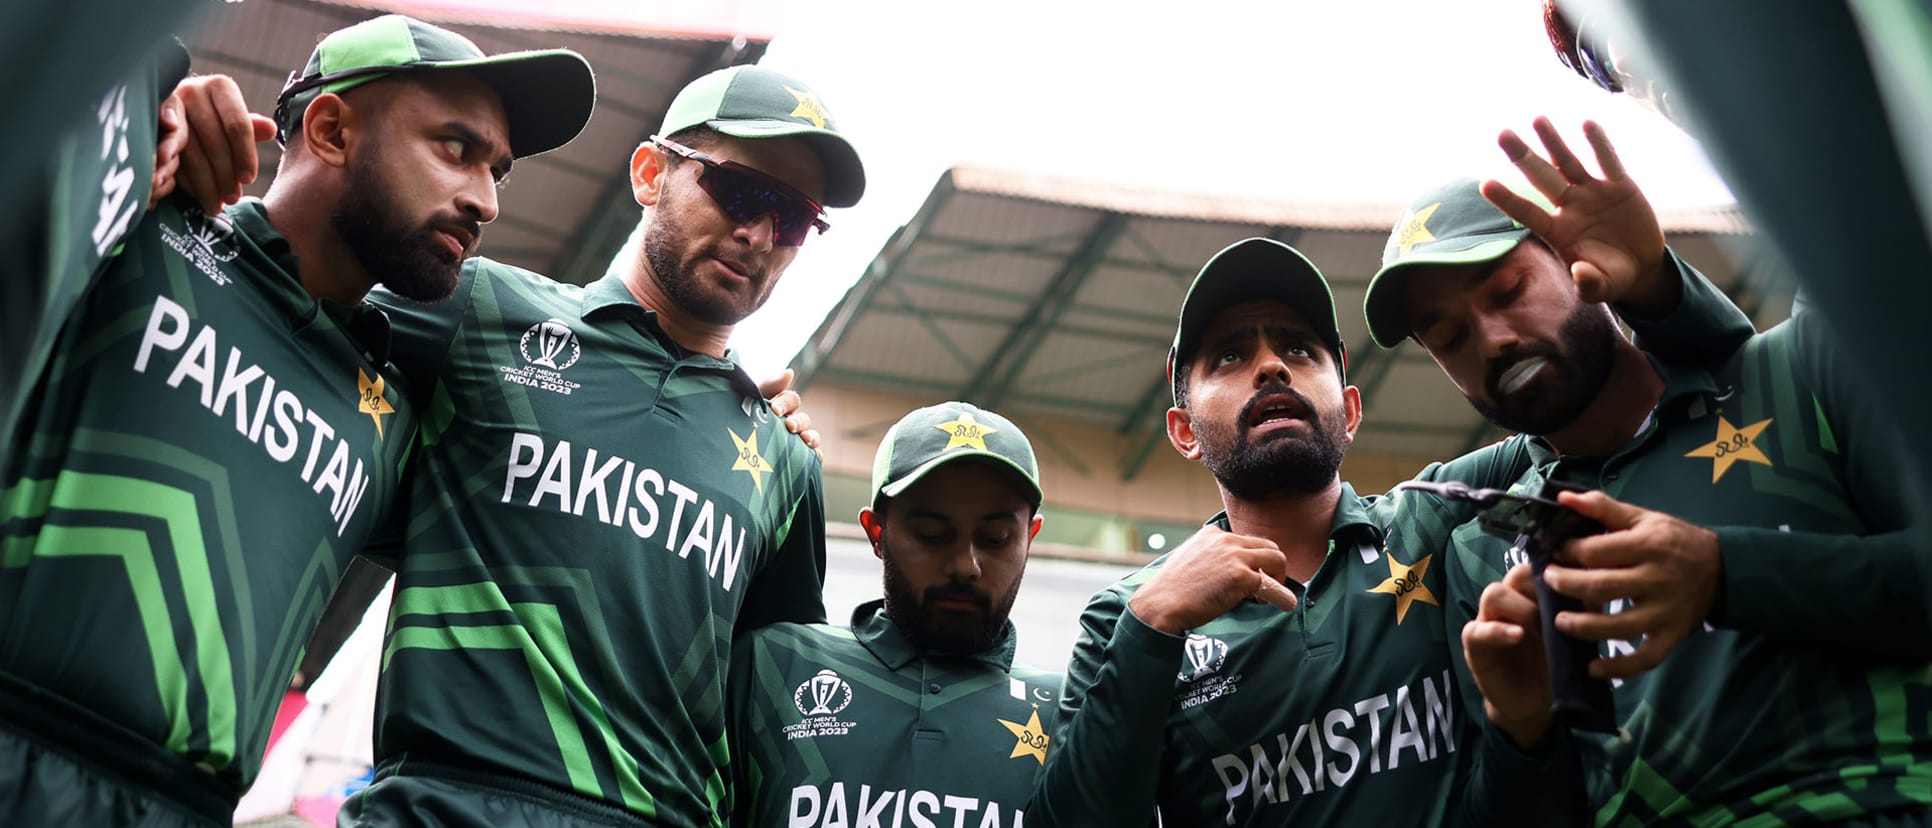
(1276, 389)
(957, 591)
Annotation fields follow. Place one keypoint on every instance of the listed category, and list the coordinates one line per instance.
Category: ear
(1033, 531)
(1180, 433)
(647, 174)
(1351, 410)
(326, 128)
(874, 531)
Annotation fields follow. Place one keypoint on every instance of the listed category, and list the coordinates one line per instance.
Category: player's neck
(689, 332)
(329, 269)
(1627, 397)
(1297, 523)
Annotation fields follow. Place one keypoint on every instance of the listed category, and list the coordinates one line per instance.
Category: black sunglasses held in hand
(745, 195)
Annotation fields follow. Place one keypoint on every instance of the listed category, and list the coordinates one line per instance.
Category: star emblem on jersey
(749, 460)
(1415, 229)
(1733, 445)
(1405, 583)
(372, 402)
(964, 432)
(1031, 739)
(808, 107)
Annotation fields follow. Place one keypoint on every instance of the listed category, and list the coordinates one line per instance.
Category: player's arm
(1862, 594)
(1104, 765)
(790, 586)
(1606, 231)
(751, 730)
(207, 143)
(1523, 771)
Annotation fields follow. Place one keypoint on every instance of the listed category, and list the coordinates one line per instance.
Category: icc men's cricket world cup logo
(552, 339)
(822, 695)
(1203, 656)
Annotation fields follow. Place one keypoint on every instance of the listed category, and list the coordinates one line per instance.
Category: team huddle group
(609, 541)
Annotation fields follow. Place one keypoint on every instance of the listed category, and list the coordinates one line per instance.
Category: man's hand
(1204, 577)
(1603, 228)
(1670, 571)
(789, 406)
(1504, 648)
(207, 143)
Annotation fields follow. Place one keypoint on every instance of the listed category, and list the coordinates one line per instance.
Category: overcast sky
(1363, 101)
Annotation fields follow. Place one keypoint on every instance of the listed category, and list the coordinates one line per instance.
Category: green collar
(891, 647)
(610, 294)
(1351, 517)
(281, 280)
(1683, 384)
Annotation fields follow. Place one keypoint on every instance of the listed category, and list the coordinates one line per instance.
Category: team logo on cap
(962, 431)
(372, 402)
(808, 108)
(1414, 229)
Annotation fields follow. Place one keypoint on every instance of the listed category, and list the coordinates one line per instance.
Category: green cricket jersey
(592, 512)
(1808, 696)
(857, 727)
(91, 190)
(1346, 709)
(206, 450)
(1356, 708)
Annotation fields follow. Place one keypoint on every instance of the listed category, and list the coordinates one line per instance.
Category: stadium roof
(564, 213)
(1050, 297)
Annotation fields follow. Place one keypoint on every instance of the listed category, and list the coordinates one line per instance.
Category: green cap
(547, 95)
(1254, 269)
(1450, 225)
(939, 434)
(755, 102)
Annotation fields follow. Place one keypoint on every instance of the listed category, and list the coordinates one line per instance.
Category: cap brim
(1230, 277)
(1030, 488)
(1383, 304)
(844, 173)
(547, 95)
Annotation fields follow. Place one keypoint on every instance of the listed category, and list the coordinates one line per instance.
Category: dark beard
(911, 615)
(1280, 464)
(671, 254)
(1582, 365)
(412, 263)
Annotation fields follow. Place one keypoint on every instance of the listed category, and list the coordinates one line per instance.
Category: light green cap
(754, 102)
(1449, 225)
(939, 434)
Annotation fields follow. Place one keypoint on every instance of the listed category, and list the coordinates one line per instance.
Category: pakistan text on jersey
(1273, 771)
(544, 474)
(864, 806)
(168, 329)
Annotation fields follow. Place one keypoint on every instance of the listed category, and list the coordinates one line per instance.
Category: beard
(1578, 366)
(1279, 463)
(946, 631)
(409, 260)
(674, 258)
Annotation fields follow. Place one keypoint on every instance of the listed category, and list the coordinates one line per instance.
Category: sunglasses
(746, 195)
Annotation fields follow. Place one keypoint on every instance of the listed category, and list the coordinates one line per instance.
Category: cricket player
(1186, 698)
(1764, 625)
(220, 429)
(916, 711)
(601, 500)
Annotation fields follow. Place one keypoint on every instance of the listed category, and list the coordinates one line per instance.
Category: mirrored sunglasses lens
(743, 198)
